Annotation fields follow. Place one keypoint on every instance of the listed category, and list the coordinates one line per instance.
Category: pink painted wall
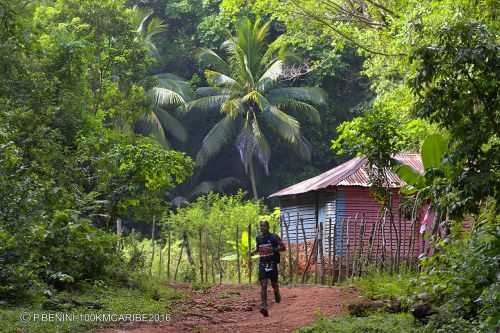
(359, 205)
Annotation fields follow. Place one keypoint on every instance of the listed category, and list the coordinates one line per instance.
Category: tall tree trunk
(252, 180)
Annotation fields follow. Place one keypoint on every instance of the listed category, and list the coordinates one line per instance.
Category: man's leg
(276, 288)
(263, 293)
(275, 285)
(263, 297)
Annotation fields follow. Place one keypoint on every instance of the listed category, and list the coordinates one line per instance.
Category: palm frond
(304, 148)
(220, 185)
(217, 79)
(142, 15)
(294, 105)
(268, 79)
(211, 59)
(285, 125)
(232, 107)
(173, 82)
(208, 91)
(150, 125)
(216, 138)
(228, 45)
(313, 95)
(262, 148)
(171, 125)
(246, 144)
(155, 27)
(164, 96)
(208, 103)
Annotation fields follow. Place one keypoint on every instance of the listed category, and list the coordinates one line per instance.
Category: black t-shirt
(268, 247)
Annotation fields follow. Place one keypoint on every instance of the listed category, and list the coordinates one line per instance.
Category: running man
(268, 247)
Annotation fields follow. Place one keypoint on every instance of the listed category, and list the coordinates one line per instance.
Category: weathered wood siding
(344, 210)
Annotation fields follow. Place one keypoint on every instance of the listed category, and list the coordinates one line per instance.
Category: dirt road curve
(235, 309)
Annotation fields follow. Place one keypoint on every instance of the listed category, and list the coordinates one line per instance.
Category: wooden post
(249, 253)
(305, 241)
(153, 247)
(360, 253)
(297, 248)
(238, 253)
(168, 254)
(330, 262)
(200, 253)
(371, 240)
(342, 257)
(310, 255)
(206, 245)
(410, 244)
(354, 245)
(289, 252)
(334, 246)
(347, 249)
(321, 255)
(160, 264)
(384, 242)
(211, 256)
(316, 195)
(219, 245)
(213, 269)
(188, 249)
(399, 238)
(178, 261)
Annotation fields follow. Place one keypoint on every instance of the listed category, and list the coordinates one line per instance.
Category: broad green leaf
(409, 175)
(433, 150)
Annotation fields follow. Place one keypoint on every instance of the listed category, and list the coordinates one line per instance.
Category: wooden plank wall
(350, 205)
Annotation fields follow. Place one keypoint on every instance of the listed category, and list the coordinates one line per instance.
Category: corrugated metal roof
(351, 173)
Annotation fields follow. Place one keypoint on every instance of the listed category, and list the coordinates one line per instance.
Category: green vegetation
(119, 120)
(109, 299)
(247, 90)
(384, 286)
(377, 323)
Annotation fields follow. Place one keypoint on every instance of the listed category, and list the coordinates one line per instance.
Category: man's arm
(281, 246)
(256, 249)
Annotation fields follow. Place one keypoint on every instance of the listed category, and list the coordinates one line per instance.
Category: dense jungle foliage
(121, 119)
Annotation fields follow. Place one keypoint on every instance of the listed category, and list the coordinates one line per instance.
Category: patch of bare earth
(235, 309)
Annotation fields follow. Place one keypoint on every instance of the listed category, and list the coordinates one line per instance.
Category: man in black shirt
(268, 247)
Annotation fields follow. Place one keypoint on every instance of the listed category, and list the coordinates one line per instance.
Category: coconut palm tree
(170, 93)
(245, 87)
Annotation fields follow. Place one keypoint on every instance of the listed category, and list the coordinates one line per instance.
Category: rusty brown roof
(351, 173)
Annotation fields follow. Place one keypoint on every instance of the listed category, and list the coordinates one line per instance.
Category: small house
(337, 210)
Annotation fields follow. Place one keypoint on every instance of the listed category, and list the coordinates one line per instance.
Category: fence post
(206, 246)
(168, 254)
(153, 245)
(160, 264)
(178, 261)
(305, 242)
(200, 253)
(297, 248)
(289, 252)
(238, 252)
(219, 244)
(249, 253)
(321, 255)
(348, 241)
(361, 246)
(310, 255)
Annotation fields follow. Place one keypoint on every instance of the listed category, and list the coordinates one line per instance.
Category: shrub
(463, 278)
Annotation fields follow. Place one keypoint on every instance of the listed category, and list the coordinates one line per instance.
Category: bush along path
(233, 308)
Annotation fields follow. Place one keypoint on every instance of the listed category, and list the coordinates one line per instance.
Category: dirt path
(235, 309)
